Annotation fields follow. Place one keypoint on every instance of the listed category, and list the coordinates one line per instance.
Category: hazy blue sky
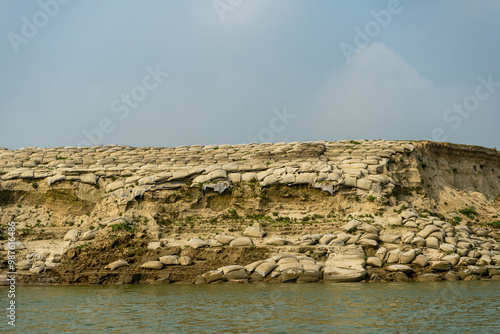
(168, 73)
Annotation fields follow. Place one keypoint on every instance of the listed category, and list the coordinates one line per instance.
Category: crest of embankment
(86, 176)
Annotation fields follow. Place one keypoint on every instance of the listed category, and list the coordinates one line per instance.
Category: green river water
(426, 307)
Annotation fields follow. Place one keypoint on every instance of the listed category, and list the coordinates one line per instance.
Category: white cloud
(379, 95)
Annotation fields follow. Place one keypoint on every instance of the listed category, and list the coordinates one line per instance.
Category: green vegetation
(233, 214)
(125, 227)
(471, 212)
(255, 217)
(495, 224)
(370, 198)
(284, 219)
(81, 246)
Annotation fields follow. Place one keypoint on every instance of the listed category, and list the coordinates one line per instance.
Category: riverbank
(348, 211)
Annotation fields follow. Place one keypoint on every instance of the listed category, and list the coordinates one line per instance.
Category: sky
(170, 73)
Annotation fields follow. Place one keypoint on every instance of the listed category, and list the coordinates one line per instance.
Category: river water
(419, 307)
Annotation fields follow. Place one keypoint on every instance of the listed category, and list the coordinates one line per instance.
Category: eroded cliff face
(138, 201)
(452, 177)
(465, 168)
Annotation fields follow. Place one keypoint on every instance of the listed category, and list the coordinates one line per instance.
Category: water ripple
(425, 307)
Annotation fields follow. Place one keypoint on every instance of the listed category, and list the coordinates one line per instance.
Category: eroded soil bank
(286, 212)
